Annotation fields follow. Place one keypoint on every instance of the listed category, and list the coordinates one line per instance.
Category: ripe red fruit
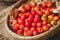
(30, 33)
(47, 12)
(30, 19)
(32, 9)
(49, 25)
(44, 22)
(33, 24)
(33, 12)
(45, 28)
(20, 14)
(39, 24)
(27, 14)
(40, 13)
(53, 14)
(40, 30)
(36, 20)
(35, 32)
(15, 28)
(21, 27)
(27, 24)
(37, 16)
(14, 21)
(44, 5)
(26, 28)
(49, 4)
(20, 32)
(23, 17)
(37, 8)
(20, 21)
(28, 6)
(33, 28)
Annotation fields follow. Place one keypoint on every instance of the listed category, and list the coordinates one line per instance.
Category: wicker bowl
(42, 36)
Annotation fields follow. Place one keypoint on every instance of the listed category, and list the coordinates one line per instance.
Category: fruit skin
(40, 30)
(21, 27)
(44, 17)
(25, 33)
(28, 6)
(26, 28)
(37, 8)
(35, 32)
(27, 14)
(44, 5)
(40, 13)
(20, 32)
(39, 24)
(53, 22)
(44, 22)
(37, 16)
(49, 25)
(30, 33)
(45, 28)
(33, 4)
(49, 4)
(56, 18)
(33, 24)
(47, 12)
(50, 17)
(33, 28)
(15, 28)
(36, 20)
(27, 24)
(14, 21)
(33, 12)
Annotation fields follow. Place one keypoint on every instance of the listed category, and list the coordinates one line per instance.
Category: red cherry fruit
(32, 9)
(45, 28)
(21, 27)
(33, 24)
(39, 24)
(37, 16)
(20, 32)
(37, 8)
(30, 19)
(47, 12)
(36, 20)
(23, 17)
(40, 30)
(20, 14)
(14, 21)
(44, 22)
(33, 28)
(28, 6)
(27, 14)
(42, 10)
(49, 4)
(17, 24)
(44, 5)
(53, 14)
(35, 32)
(20, 21)
(40, 13)
(15, 28)
(27, 24)
(33, 12)
(49, 25)
(30, 33)
(26, 28)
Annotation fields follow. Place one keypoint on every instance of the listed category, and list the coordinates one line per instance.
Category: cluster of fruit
(34, 19)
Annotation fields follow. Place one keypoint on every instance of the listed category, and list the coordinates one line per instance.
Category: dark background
(4, 5)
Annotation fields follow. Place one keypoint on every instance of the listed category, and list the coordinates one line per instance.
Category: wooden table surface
(55, 37)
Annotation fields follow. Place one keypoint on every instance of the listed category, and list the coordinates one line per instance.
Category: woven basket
(42, 36)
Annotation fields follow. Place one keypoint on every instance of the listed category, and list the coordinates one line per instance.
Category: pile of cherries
(35, 19)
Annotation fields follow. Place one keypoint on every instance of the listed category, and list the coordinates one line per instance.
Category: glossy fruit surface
(33, 19)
